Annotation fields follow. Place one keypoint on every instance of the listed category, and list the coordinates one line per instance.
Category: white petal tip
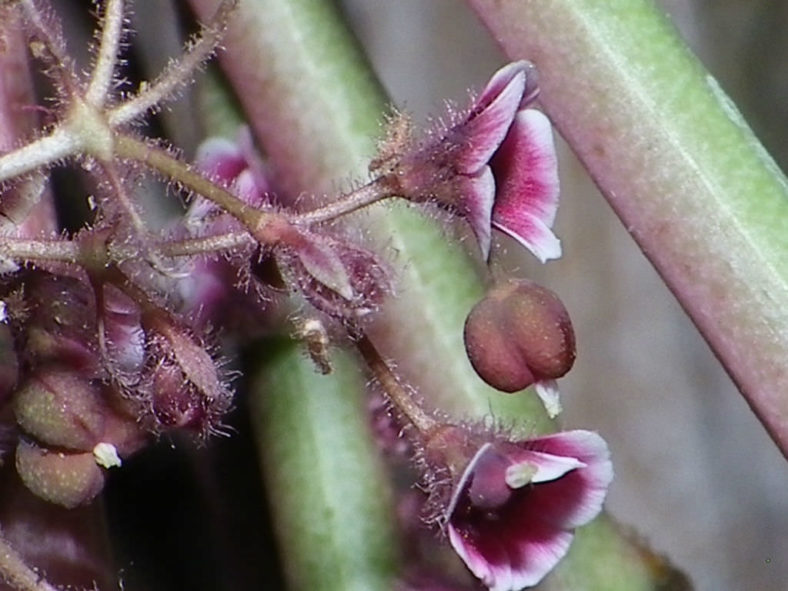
(548, 392)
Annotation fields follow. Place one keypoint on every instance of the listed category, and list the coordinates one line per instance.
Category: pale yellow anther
(518, 475)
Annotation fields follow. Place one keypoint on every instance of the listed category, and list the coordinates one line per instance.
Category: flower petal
(491, 116)
(576, 498)
(548, 393)
(478, 195)
(510, 553)
(551, 467)
(526, 173)
(221, 158)
(504, 77)
(538, 558)
(515, 542)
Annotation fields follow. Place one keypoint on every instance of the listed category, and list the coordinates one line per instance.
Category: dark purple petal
(526, 173)
(502, 557)
(478, 194)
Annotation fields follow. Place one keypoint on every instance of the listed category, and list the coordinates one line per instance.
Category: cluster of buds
(96, 373)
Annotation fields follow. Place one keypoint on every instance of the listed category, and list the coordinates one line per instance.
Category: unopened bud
(519, 334)
(176, 402)
(337, 277)
(61, 325)
(124, 337)
(67, 479)
(62, 409)
(187, 389)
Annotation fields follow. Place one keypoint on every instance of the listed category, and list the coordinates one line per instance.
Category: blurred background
(697, 477)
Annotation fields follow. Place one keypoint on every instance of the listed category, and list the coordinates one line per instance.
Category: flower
(337, 277)
(514, 507)
(496, 166)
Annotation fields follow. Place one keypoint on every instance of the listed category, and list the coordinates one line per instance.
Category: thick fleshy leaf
(526, 173)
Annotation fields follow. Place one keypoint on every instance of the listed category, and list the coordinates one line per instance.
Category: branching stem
(179, 72)
(168, 165)
(48, 32)
(21, 250)
(44, 151)
(101, 80)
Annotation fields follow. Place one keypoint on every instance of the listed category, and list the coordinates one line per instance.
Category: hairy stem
(22, 249)
(180, 72)
(364, 196)
(206, 244)
(47, 31)
(172, 168)
(45, 151)
(101, 79)
(397, 393)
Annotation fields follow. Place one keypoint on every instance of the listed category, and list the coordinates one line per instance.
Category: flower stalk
(397, 393)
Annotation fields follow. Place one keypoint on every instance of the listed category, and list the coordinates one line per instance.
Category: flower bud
(61, 326)
(67, 479)
(9, 364)
(519, 334)
(125, 339)
(185, 387)
(176, 403)
(60, 408)
(335, 276)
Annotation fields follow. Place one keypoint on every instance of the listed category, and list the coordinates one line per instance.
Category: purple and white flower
(495, 167)
(513, 510)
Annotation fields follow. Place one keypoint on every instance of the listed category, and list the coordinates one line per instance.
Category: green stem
(332, 504)
(677, 162)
